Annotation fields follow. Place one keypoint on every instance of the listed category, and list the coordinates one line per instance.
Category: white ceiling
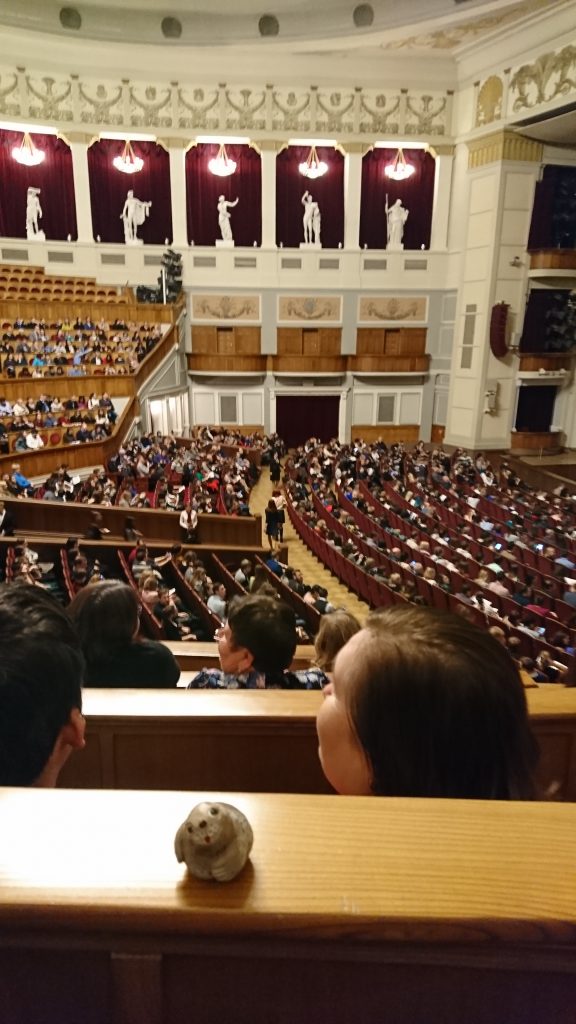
(424, 23)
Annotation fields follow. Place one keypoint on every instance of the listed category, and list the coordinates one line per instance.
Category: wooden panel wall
(224, 339)
(309, 341)
(409, 433)
(255, 741)
(391, 341)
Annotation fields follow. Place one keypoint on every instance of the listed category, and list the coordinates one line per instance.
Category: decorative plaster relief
(8, 93)
(100, 104)
(196, 108)
(489, 104)
(225, 307)
(49, 99)
(424, 115)
(452, 37)
(122, 103)
(400, 308)
(550, 76)
(150, 106)
(324, 308)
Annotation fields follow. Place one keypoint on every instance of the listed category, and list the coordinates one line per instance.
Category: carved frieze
(303, 308)
(226, 307)
(392, 308)
(223, 107)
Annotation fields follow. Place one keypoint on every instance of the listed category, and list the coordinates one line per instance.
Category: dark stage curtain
(203, 189)
(548, 323)
(327, 191)
(109, 187)
(53, 176)
(298, 418)
(416, 193)
(535, 408)
(553, 224)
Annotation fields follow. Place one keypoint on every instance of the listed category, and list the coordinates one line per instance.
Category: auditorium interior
(326, 239)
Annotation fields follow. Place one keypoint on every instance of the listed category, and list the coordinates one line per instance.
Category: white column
(79, 149)
(442, 193)
(268, 149)
(352, 194)
(178, 191)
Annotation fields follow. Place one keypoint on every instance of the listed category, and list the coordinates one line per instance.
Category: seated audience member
(244, 574)
(171, 614)
(41, 668)
(148, 589)
(107, 618)
(425, 704)
(256, 647)
(217, 601)
(335, 631)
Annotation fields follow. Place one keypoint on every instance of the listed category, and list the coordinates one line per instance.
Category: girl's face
(343, 759)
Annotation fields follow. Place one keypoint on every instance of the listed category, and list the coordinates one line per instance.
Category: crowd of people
(74, 348)
(401, 534)
(83, 418)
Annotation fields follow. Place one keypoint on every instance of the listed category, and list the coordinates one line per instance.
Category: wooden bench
(258, 741)
(350, 909)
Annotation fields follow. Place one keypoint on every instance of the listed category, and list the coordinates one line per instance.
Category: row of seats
(32, 283)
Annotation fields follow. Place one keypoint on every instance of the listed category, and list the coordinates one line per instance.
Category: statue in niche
(224, 218)
(133, 215)
(33, 214)
(311, 220)
(396, 217)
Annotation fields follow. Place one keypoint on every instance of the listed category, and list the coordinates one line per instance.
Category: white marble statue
(133, 215)
(33, 214)
(224, 218)
(311, 220)
(396, 217)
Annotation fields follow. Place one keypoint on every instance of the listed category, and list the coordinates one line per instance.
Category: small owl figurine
(214, 841)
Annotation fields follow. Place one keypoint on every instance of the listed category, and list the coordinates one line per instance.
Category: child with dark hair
(41, 669)
(425, 704)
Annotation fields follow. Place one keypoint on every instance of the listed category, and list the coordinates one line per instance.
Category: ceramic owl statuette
(214, 841)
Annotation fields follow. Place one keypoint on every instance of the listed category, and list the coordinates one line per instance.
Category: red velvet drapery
(53, 177)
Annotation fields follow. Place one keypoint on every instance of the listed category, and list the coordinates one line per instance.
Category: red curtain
(327, 191)
(203, 189)
(298, 418)
(416, 193)
(108, 189)
(53, 176)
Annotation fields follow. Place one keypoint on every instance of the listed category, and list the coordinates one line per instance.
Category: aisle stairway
(300, 557)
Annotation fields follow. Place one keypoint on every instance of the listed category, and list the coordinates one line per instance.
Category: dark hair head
(440, 709)
(106, 617)
(267, 628)
(41, 669)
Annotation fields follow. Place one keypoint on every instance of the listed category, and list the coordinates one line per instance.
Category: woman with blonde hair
(336, 628)
(148, 589)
